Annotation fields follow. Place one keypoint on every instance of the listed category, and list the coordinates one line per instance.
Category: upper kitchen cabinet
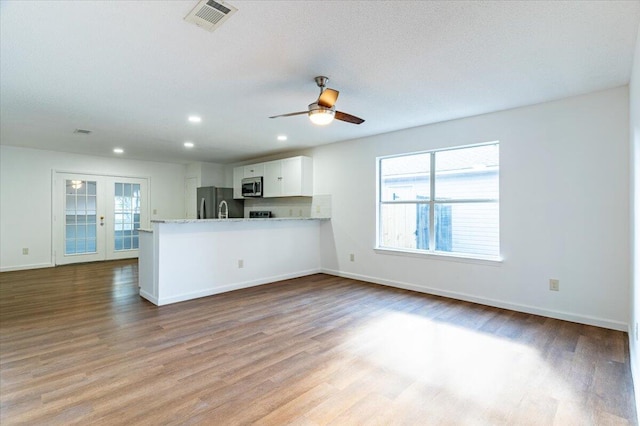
(252, 170)
(238, 174)
(291, 177)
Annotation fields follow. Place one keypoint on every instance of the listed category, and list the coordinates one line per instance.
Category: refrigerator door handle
(202, 212)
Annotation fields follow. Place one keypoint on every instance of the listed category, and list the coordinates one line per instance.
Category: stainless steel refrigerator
(209, 199)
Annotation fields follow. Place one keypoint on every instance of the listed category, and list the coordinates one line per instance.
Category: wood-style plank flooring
(79, 346)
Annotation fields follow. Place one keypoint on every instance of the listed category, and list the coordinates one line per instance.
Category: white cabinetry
(252, 170)
(290, 177)
(294, 182)
(238, 174)
(272, 182)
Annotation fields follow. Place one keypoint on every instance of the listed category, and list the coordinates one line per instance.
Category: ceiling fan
(323, 111)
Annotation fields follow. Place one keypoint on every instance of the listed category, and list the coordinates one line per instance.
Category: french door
(98, 217)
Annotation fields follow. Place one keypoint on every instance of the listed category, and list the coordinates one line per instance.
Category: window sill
(452, 257)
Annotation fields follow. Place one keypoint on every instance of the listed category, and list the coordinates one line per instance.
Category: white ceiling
(132, 71)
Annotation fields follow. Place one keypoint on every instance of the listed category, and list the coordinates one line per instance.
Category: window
(444, 202)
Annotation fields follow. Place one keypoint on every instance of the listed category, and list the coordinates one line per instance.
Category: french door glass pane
(91, 188)
(91, 204)
(70, 203)
(126, 215)
(80, 217)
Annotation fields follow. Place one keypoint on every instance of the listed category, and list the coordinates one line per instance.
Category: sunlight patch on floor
(470, 365)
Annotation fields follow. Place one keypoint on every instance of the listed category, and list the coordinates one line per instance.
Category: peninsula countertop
(236, 219)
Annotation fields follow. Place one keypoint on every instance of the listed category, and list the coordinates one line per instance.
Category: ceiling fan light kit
(320, 115)
(323, 111)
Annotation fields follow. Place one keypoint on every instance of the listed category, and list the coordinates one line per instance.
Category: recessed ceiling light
(282, 137)
(195, 119)
(188, 144)
(118, 150)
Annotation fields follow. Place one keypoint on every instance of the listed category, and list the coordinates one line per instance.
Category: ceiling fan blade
(343, 116)
(328, 98)
(290, 114)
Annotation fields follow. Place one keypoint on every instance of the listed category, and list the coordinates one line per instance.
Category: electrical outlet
(317, 209)
(352, 257)
(155, 211)
(554, 285)
(240, 263)
(300, 213)
(290, 212)
(25, 251)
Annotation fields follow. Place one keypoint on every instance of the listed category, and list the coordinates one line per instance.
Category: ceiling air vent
(82, 131)
(210, 14)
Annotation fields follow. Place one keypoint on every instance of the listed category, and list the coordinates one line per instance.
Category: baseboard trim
(24, 267)
(566, 316)
(231, 287)
(149, 297)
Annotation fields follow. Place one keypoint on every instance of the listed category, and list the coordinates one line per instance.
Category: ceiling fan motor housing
(314, 107)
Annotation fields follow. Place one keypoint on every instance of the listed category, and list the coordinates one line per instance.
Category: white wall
(634, 343)
(564, 212)
(208, 174)
(25, 197)
(213, 174)
(280, 207)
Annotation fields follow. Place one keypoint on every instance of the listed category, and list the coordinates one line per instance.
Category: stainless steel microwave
(252, 187)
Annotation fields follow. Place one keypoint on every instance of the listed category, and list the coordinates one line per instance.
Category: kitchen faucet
(222, 215)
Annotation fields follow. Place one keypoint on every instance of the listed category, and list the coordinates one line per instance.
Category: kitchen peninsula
(185, 259)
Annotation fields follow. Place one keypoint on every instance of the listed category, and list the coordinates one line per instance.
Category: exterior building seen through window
(444, 202)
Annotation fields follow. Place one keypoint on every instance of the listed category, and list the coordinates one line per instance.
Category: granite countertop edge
(235, 219)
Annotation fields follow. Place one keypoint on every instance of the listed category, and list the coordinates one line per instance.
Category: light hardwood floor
(79, 346)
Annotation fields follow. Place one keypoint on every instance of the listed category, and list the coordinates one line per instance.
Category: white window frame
(432, 201)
